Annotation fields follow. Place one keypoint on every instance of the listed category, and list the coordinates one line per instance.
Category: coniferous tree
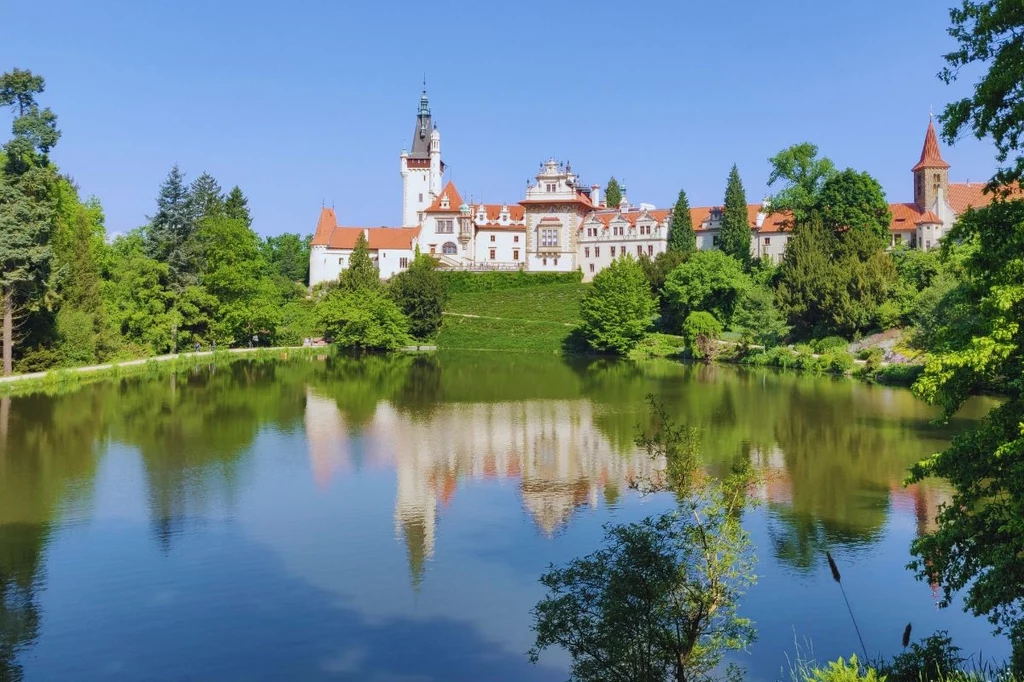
(734, 238)
(27, 181)
(361, 273)
(236, 206)
(169, 235)
(681, 237)
(207, 198)
(613, 193)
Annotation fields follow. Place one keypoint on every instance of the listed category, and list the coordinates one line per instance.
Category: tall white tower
(421, 166)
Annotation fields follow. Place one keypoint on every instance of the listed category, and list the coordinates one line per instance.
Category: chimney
(366, 233)
(595, 195)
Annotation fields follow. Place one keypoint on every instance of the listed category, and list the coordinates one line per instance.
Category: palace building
(561, 224)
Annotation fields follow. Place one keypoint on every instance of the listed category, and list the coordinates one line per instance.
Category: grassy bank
(537, 318)
(63, 380)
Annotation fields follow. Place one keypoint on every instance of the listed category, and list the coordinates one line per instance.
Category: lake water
(388, 519)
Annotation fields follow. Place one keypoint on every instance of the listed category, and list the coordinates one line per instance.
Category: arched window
(449, 249)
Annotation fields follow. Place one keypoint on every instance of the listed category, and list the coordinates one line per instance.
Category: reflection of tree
(359, 383)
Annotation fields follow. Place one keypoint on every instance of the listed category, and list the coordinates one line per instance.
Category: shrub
(898, 374)
(838, 361)
(365, 319)
(421, 295)
(890, 314)
(934, 658)
(617, 310)
(701, 329)
(873, 357)
(843, 671)
(829, 343)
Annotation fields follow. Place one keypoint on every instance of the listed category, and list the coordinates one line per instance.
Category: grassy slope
(536, 318)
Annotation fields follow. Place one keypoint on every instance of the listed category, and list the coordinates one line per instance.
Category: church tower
(421, 166)
(931, 175)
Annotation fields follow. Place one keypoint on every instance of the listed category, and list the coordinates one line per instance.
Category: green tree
(363, 319)
(701, 331)
(757, 319)
(288, 255)
(988, 33)
(206, 197)
(803, 174)
(27, 203)
(617, 310)
(979, 538)
(138, 300)
(421, 294)
(361, 273)
(169, 234)
(734, 238)
(236, 206)
(659, 600)
(613, 193)
(853, 202)
(681, 238)
(711, 281)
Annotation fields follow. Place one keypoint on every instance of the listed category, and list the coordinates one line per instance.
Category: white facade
(554, 209)
(607, 235)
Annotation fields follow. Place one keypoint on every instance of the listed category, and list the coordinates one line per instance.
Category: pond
(388, 518)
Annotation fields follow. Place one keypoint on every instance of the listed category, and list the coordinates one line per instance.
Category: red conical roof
(931, 157)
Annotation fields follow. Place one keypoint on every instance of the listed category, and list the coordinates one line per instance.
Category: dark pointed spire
(931, 155)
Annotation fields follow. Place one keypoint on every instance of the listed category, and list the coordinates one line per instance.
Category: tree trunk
(8, 339)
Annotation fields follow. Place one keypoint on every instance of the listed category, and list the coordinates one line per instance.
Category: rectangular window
(650, 249)
(899, 239)
(549, 237)
(767, 241)
(421, 196)
(445, 226)
(403, 263)
(492, 254)
(556, 262)
(591, 267)
(545, 261)
(597, 252)
(613, 252)
(493, 238)
(341, 261)
(515, 239)
(433, 248)
(515, 254)
(586, 252)
(714, 240)
(639, 250)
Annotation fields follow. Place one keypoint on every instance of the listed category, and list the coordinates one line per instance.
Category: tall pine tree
(734, 239)
(361, 273)
(169, 234)
(236, 206)
(613, 193)
(207, 198)
(681, 238)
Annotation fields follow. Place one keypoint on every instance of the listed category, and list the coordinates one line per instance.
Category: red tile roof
(928, 218)
(702, 214)
(454, 200)
(776, 222)
(931, 157)
(904, 216)
(329, 234)
(516, 213)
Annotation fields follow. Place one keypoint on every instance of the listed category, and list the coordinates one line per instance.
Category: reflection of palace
(553, 448)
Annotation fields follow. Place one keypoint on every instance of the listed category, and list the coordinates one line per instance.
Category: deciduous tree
(617, 310)
(802, 175)
(852, 202)
(421, 294)
(363, 319)
(711, 281)
(701, 331)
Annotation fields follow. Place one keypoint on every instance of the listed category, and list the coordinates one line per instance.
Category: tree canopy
(711, 281)
(617, 310)
(734, 237)
(802, 175)
(681, 238)
(613, 193)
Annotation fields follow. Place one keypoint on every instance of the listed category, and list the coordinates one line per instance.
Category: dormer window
(444, 202)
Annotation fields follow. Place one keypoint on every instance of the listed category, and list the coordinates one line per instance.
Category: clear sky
(306, 102)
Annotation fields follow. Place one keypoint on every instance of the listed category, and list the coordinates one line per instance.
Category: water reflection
(559, 433)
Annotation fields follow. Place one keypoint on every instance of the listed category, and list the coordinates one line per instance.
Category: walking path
(141, 361)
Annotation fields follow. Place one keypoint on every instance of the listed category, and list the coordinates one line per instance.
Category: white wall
(415, 195)
(505, 243)
(325, 265)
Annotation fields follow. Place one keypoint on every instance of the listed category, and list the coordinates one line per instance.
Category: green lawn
(536, 318)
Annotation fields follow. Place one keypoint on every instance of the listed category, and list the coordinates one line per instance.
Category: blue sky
(311, 101)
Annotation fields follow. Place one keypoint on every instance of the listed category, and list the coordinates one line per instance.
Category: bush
(656, 346)
(898, 374)
(890, 314)
(701, 330)
(364, 319)
(873, 357)
(842, 671)
(829, 343)
(463, 282)
(617, 310)
(838, 361)
(298, 322)
(421, 294)
(935, 658)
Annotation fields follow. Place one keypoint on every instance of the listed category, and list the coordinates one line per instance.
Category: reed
(839, 579)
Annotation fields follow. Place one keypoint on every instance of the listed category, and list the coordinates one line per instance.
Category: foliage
(935, 658)
(852, 203)
(701, 331)
(832, 285)
(837, 361)
(657, 346)
(206, 198)
(672, 582)
(734, 238)
(711, 281)
(804, 174)
(236, 206)
(980, 534)
(825, 344)
(617, 310)
(988, 33)
(361, 273)
(460, 281)
(298, 323)
(613, 193)
(681, 238)
(169, 233)
(137, 295)
(363, 319)
(843, 671)
(288, 256)
(757, 318)
(421, 295)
